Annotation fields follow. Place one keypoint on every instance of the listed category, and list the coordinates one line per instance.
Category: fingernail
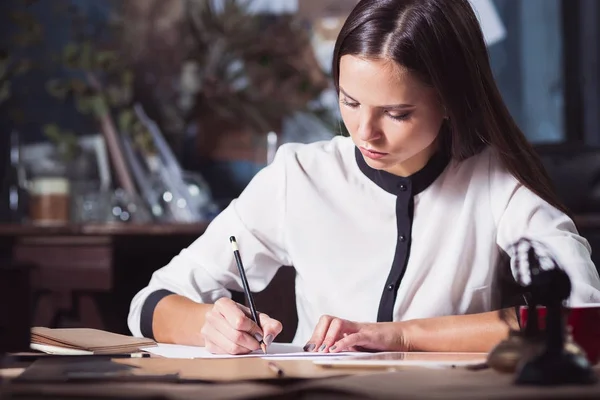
(332, 348)
(269, 339)
(309, 347)
(258, 337)
(322, 347)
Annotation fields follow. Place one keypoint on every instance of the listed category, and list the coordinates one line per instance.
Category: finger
(240, 338)
(351, 342)
(213, 348)
(337, 328)
(271, 328)
(316, 340)
(222, 342)
(236, 316)
(353, 349)
(209, 344)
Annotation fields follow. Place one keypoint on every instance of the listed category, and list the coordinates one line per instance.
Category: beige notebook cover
(86, 339)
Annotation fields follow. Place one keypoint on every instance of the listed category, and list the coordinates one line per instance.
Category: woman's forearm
(459, 333)
(178, 319)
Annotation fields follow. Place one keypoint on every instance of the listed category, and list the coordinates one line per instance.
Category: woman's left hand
(333, 335)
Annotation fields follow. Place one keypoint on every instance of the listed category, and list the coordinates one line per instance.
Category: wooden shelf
(112, 229)
(585, 221)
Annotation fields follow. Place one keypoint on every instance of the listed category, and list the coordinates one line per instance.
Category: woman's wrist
(178, 319)
(456, 333)
(407, 334)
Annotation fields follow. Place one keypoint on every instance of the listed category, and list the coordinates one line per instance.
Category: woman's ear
(444, 110)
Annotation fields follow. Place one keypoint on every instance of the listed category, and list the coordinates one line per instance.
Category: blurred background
(125, 126)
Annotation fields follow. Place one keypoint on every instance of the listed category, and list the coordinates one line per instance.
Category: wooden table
(405, 382)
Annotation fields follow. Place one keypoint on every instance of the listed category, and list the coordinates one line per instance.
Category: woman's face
(392, 117)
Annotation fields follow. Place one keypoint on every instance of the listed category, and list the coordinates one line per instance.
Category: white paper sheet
(281, 351)
(399, 363)
(436, 360)
(49, 349)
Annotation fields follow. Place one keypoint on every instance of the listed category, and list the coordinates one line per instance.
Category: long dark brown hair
(440, 42)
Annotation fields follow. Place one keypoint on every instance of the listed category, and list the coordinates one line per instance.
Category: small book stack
(85, 341)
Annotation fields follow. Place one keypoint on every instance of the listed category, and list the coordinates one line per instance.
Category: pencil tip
(232, 239)
(264, 348)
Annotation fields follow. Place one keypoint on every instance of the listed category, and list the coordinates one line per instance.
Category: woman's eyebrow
(347, 95)
(388, 107)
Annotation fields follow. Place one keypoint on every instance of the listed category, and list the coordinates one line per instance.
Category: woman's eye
(349, 104)
(399, 117)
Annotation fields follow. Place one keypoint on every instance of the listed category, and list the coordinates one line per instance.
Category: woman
(395, 232)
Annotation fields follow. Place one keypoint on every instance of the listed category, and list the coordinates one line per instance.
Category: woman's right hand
(229, 329)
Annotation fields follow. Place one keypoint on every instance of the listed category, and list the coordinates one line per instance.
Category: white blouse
(370, 246)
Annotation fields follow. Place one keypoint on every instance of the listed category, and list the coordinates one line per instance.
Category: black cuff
(147, 313)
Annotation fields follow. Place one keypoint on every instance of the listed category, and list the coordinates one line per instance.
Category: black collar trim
(391, 183)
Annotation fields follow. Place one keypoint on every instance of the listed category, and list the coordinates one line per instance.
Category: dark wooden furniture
(80, 277)
(86, 275)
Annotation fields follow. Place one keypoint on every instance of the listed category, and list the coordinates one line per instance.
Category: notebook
(85, 341)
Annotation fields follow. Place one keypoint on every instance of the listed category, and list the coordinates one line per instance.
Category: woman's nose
(368, 129)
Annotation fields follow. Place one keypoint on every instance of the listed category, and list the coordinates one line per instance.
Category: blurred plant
(96, 78)
(89, 71)
(130, 124)
(8, 70)
(99, 79)
(13, 63)
(65, 141)
(250, 70)
(152, 42)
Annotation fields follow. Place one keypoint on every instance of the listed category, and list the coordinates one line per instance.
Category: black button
(390, 287)
(402, 187)
(402, 238)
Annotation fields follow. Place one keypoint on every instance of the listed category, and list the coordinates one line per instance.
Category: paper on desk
(281, 351)
(399, 363)
(49, 349)
(409, 359)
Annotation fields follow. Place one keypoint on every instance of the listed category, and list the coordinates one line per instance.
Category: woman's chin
(377, 164)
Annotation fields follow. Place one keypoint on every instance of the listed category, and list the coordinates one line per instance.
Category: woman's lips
(375, 155)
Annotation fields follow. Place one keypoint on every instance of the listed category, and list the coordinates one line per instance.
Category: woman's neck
(415, 163)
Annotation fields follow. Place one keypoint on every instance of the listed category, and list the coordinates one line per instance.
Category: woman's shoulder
(483, 177)
(488, 165)
(335, 151)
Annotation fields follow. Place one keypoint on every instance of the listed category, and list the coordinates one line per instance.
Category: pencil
(240, 265)
(276, 368)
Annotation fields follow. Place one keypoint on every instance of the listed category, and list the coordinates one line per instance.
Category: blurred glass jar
(127, 208)
(90, 201)
(49, 200)
(92, 205)
(49, 192)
